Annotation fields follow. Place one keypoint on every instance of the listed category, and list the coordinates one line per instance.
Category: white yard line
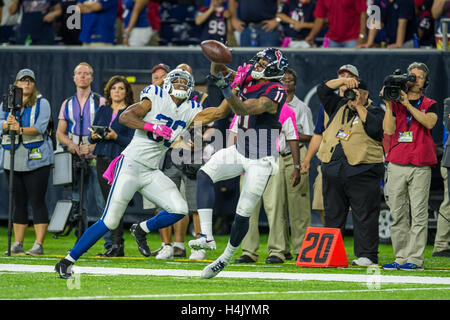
(361, 278)
(216, 294)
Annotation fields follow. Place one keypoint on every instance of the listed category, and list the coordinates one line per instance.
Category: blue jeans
(345, 44)
(263, 39)
(90, 187)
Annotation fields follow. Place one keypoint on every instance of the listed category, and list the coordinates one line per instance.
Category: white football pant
(229, 163)
(155, 186)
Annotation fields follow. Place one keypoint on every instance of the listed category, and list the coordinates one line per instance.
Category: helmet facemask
(184, 82)
(276, 67)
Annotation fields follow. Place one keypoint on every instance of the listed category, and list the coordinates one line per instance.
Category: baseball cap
(161, 66)
(350, 68)
(25, 73)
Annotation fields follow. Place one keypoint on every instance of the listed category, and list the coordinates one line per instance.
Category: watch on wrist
(297, 166)
(362, 35)
(278, 19)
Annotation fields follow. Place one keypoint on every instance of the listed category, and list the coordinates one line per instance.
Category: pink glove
(239, 78)
(159, 129)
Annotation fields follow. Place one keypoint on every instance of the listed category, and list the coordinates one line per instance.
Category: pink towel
(109, 173)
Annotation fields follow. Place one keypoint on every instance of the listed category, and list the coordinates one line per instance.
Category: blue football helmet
(276, 67)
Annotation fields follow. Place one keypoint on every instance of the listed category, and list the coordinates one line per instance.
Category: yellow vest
(358, 149)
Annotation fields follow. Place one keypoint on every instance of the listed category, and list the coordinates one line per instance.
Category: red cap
(161, 66)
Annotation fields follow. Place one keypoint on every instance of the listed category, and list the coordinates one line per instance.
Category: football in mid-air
(216, 51)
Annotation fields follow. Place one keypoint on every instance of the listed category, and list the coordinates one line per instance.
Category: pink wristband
(148, 126)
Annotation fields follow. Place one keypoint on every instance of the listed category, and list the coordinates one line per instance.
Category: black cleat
(141, 239)
(64, 269)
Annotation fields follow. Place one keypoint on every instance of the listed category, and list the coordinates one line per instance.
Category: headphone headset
(424, 68)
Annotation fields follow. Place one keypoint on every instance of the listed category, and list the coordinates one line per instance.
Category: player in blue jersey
(258, 104)
(162, 115)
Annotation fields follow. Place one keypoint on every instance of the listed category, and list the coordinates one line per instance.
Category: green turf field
(136, 277)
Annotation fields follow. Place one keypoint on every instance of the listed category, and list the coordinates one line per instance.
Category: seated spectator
(213, 21)
(35, 26)
(65, 25)
(7, 23)
(346, 22)
(97, 22)
(137, 31)
(398, 20)
(298, 20)
(440, 9)
(177, 23)
(256, 21)
(425, 23)
(32, 161)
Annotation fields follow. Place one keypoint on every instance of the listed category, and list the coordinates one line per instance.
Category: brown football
(216, 51)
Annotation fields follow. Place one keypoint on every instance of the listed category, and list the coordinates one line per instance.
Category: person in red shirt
(411, 154)
(346, 22)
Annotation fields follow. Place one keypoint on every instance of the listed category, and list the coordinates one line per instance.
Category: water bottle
(28, 40)
(253, 37)
(416, 41)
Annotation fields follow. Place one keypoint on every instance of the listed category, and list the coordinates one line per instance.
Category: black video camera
(12, 101)
(395, 83)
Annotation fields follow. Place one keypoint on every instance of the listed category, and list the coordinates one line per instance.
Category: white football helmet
(174, 77)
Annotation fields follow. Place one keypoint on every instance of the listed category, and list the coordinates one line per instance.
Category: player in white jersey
(161, 116)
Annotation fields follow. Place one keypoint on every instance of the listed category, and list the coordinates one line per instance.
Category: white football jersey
(148, 148)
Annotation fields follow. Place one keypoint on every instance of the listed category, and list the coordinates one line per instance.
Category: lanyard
(409, 115)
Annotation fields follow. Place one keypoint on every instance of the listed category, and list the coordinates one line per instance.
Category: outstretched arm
(252, 106)
(212, 114)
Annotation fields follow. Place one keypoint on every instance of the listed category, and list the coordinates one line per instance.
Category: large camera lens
(392, 93)
(349, 94)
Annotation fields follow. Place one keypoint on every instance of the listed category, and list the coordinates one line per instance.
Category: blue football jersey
(260, 131)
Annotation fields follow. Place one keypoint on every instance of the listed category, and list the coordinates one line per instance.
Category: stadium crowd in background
(286, 23)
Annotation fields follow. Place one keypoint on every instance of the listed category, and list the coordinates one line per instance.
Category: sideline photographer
(352, 163)
(33, 157)
(110, 138)
(410, 155)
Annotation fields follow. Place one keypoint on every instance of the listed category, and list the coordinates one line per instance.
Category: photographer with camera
(32, 160)
(410, 116)
(76, 116)
(352, 163)
(110, 138)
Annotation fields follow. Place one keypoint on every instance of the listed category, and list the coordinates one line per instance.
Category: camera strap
(409, 115)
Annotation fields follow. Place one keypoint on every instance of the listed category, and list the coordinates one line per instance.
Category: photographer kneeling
(33, 157)
(352, 163)
(411, 154)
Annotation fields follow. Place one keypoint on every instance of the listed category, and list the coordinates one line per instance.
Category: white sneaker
(214, 268)
(202, 243)
(197, 254)
(166, 253)
(364, 262)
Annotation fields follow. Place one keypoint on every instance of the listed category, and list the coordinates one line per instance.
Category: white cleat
(166, 253)
(197, 254)
(213, 269)
(202, 243)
